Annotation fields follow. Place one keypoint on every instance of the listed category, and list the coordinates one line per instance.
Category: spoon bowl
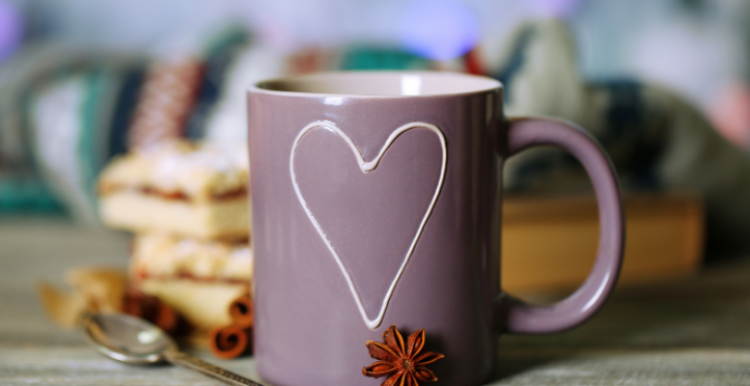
(127, 338)
(137, 342)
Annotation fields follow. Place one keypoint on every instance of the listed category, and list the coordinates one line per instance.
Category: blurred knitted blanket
(657, 141)
(63, 114)
(66, 110)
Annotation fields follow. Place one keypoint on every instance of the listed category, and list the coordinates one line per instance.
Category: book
(549, 243)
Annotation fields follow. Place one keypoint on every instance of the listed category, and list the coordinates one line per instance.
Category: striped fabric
(166, 101)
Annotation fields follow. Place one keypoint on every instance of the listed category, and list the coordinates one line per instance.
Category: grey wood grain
(689, 332)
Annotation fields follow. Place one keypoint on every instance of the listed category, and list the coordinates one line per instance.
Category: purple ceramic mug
(376, 202)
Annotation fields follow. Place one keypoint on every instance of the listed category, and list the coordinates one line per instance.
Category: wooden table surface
(691, 332)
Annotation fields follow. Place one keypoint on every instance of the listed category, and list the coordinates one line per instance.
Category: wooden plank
(637, 367)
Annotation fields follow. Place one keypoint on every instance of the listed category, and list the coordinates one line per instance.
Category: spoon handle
(188, 361)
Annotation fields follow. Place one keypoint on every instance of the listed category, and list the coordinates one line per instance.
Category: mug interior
(382, 83)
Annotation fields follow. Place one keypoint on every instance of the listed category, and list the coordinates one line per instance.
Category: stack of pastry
(188, 205)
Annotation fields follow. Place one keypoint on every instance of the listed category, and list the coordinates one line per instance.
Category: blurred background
(663, 84)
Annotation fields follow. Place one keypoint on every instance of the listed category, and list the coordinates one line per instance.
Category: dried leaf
(103, 288)
(64, 308)
(94, 290)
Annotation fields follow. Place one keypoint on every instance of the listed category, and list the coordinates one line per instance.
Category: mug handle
(518, 317)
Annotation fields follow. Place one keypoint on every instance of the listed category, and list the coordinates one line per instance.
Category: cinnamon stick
(241, 312)
(233, 340)
(228, 342)
(150, 308)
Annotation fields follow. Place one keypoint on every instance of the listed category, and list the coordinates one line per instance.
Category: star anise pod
(403, 363)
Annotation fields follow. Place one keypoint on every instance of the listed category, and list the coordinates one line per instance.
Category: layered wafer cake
(188, 206)
(197, 278)
(197, 191)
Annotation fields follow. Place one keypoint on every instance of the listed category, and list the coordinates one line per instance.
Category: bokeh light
(553, 8)
(439, 29)
(11, 29)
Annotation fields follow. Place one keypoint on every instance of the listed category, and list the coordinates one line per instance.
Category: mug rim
(266, 86)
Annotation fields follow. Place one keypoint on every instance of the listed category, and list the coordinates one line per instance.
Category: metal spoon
(133, 340)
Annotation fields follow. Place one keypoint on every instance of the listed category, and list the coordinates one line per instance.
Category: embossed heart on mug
(370, 229)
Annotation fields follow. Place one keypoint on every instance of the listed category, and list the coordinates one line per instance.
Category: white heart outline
(367, 167)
